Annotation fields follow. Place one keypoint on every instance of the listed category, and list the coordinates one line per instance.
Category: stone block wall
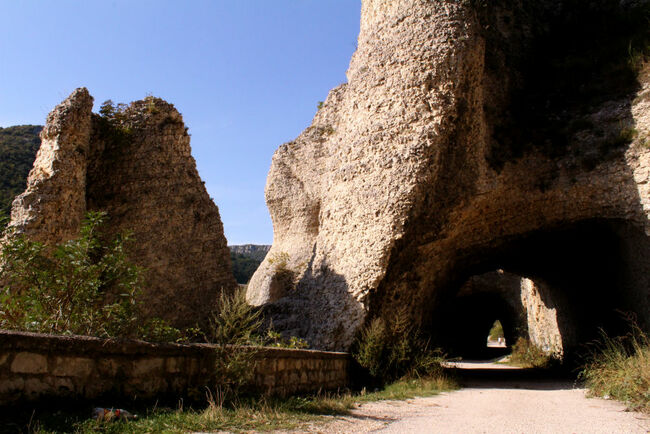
(286, 371)
(36, 366)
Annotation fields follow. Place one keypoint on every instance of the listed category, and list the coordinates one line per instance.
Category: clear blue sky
(247, 75)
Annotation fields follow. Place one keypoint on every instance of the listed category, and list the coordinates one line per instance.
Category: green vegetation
(527, 355)
(284, 276)
(85, 286)
(496, 331)
(233, 329)
(113, 126)
(18, 147)
(392, 349)
(243, 267)
(245, 259)
(244, 415)
(275, 339)
(620, 368)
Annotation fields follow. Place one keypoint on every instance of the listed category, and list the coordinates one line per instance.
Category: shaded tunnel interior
(589, 276)
(469, 320)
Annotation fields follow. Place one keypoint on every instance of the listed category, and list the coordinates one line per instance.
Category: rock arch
(467, 137)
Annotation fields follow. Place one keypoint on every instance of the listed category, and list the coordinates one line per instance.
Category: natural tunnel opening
(557, 287)
(496, 338)
(484, 314)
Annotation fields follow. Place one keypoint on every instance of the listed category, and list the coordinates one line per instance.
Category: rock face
(137, 166)
(525, 308)
(542, 319)
(471, 136)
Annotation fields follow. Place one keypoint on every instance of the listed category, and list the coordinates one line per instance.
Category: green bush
(85, 286)
(234, 330)
(528, 355)
(275, 339)
(234, 322)
(392, 349)
(496, 331)
(620, 368)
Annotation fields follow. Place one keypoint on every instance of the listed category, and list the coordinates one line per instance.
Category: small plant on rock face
(151, 104)
(107, 109)
(284, 277)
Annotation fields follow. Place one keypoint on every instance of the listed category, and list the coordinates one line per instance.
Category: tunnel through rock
(467, 318)
(470, 137)
(560, 288)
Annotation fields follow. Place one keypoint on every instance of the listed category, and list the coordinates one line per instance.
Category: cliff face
(469, 137)
(54, 203)
(137, 166)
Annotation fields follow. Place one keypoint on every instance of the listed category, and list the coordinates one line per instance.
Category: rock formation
(135, 164)
(525, 308)
(471, 136)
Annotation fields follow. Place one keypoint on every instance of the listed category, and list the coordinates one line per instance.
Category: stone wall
(36, 366)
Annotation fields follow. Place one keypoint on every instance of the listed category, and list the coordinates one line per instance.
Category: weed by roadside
(619, 367)
(242, 415)
(391, 349)
(525, 354)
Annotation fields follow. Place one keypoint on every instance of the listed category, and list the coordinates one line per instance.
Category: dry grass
(619, 368)
(263, 414)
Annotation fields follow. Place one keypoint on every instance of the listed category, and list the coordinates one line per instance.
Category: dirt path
(495, 399)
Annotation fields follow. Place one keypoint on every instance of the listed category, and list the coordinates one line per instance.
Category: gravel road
(495, 399)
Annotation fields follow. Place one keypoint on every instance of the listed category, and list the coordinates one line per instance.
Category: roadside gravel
(495, 399)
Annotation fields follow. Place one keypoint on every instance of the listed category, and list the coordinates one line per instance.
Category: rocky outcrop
(525, 308)
(54, 203)
(468, 138)
(135, 164)
(542, 319)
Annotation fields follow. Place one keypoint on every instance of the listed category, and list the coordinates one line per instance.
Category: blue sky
(247, 75)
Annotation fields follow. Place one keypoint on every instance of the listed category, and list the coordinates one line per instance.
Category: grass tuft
(619, 368)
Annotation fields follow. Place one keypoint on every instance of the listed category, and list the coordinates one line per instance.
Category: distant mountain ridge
(18, 147)
(245, 260)
(253, 251)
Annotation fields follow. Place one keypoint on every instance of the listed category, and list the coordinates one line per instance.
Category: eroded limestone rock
(136, 166)
(468, 138)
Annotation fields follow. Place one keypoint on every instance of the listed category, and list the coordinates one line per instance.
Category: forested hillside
(245, 260)
(18, 146)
